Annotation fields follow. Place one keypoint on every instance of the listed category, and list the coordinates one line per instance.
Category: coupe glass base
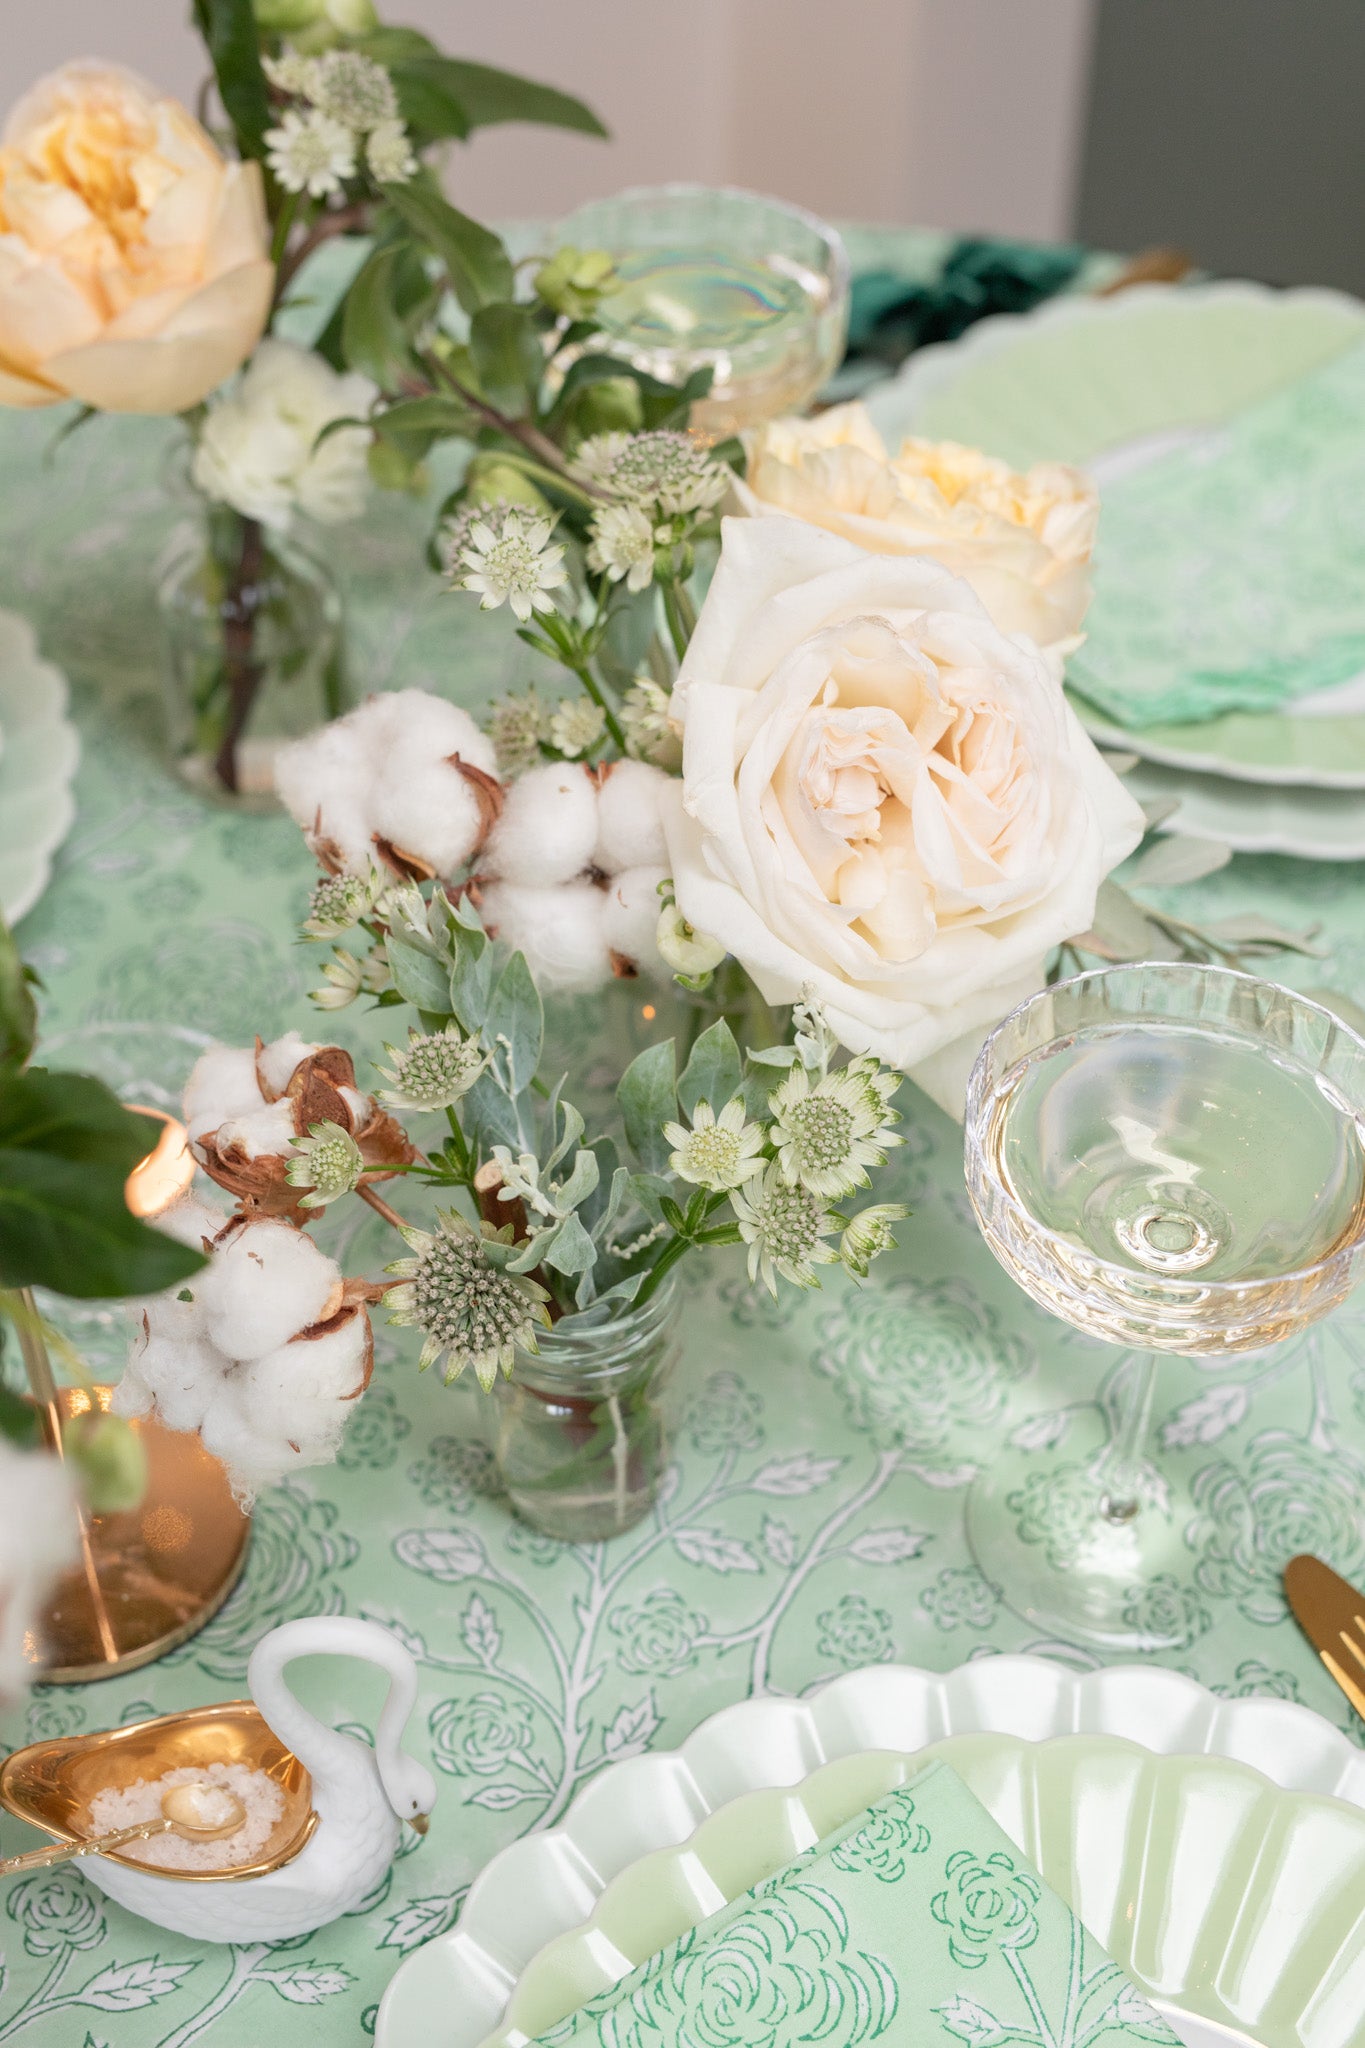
(1037, 1527)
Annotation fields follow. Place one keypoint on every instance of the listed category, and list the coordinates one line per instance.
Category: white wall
(952, 113)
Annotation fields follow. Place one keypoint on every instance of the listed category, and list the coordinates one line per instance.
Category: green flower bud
(111, 1460)
(574, 280)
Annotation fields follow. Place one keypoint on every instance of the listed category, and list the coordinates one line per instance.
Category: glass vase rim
(1170, 1289)
(840, 262)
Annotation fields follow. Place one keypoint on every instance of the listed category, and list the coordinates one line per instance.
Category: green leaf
(19, 1422)
(648, 1099)
(419, 978)
(374, 336)
(428, 106)
(471, 979)
(67, 1145)
(433, 418)
(1176, 859)
(489, 1117)
(508, 357)
(515, 1022)
(390, 46)
(579, 1183)
(478, 265)
(18, 1018)
(713, 1072)
(229, 30)
(573, 1251)
(489, 96)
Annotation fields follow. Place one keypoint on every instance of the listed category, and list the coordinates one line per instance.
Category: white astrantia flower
(471, 1312)
(719, 1152)
(433, 1070)
(338, 903)
(389, 154)
(785, 1228)
(660, 468)
(290, 72)
(310, 153)
(328, 1162)
(517, 725)
(513, 563)
(348, 975)
(650, 733)
(576, 725)
(352, 89)
(621, 544)
(867, 1235)
(828, 1131)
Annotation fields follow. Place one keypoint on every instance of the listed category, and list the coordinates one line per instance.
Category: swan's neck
(325, 1752)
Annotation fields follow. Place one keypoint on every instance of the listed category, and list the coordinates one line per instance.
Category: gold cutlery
(1331, 1614)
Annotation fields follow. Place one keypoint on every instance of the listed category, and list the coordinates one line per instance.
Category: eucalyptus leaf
(573, 1251)
(1122, 929)
(514, 1022)
(471, 981)
(649, 1191)
(419, 977)
(1159, 810)
(599, 1218)
(1176, 859)
(489, 1117)
(580, 1182)
(479, 267)
(714, 1071)
(565, 1126)
(1253, 930)
(648, 1099)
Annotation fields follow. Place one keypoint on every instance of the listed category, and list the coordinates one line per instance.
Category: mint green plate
(1080, 379)
(1237, 1906)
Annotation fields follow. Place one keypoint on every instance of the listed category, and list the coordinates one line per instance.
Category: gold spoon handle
(63, 1852)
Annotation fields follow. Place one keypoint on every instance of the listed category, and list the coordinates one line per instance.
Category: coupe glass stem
(1123, 1463)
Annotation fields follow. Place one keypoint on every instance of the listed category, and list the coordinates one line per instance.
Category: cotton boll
(276, 1062)
(39, 1538)
(265, 1284)
(189, 1221)
(547, 829)
(631, 916)
(304, 1391)
(253, 1459)
(630, 831)
(222, 1084)
(560, 931)
(132, 1398)
(265, 1134)
(324, 783)
(428, 809)
(427, 728)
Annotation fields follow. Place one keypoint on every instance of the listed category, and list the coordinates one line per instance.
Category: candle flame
(160, 1179)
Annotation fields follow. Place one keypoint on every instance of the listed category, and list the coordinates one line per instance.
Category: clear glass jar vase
(579, 1432)
(251, 624)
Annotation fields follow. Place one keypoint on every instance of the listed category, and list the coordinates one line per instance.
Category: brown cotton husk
(408, 867)
(488, 794)
(623, 968)
(315, 1096)
(257, 1185)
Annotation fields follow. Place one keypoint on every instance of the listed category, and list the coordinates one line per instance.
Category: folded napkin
(917, 1923)
(1228, 573)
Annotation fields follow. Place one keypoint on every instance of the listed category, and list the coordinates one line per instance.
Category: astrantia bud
(433, 1071)
(869, 1235)
(338, 903)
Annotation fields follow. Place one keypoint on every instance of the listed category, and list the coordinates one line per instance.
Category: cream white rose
(883, 797)
(1023, 542)
(135, 272)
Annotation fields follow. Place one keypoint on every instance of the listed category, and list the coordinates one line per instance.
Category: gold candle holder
(148, 1577)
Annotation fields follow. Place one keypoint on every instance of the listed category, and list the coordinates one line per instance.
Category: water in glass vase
(705, 299)
(1172, 1152)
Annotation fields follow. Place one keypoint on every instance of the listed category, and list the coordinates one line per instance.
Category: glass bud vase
(251, 622)
(579, 1432)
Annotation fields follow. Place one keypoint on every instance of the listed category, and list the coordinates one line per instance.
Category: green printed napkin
(1228, 573)
(917, 1923)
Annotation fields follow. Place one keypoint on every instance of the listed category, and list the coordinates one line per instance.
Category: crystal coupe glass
(1170, 1158)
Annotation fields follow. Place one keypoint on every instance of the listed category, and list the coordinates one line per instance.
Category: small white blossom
(830, 1130)
(785, 1228)
(664, 469)
(352, 89)
(433, 1070)
(687, 951)
(388, 153)
(348, 975)
(521, 1180)
(719, 1152)
(621, 544)
(310, 153)
(868, 1235)
(259, 447)
(517, 726)
(290, 72)
(328, 1161)
(471, 1312)
(650, 732)
(338, 903)
(815, 1043)
(513, 563)
(576, 725)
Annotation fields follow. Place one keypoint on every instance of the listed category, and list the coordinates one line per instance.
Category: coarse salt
(124, 1807)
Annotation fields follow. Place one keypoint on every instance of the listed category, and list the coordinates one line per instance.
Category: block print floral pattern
(818, 1457)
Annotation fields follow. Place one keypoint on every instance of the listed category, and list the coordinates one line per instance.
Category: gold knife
(1331, 1614)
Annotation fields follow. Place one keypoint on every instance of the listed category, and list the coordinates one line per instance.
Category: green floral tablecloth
(812, 1519)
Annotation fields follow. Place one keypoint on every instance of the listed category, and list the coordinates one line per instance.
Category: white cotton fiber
(361, 1107)
(265, 1134)
(276, 1062)
(630, 831)
(189, 1221)
(324, 782)
(631, 916)
(132, 1397)
(170, 1361)
(253, 1459)
(548, 827)
(39, 1538)
(265, 1284)
(427, 728)
(560, 931)
(222, 1084)
(304, 1390)
(426, 808)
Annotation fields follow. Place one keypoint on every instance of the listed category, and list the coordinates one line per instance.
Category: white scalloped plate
(1254, 817)
(455, 1991)
(1220, 1894)
(38, 755)
(1107, 382)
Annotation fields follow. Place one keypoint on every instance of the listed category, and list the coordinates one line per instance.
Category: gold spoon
(200, 1812)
